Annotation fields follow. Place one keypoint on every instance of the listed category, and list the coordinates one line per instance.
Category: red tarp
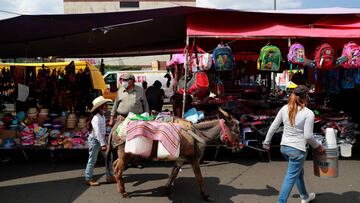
(237, 24)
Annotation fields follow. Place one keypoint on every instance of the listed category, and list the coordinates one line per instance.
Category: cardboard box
(162, 65)
(155, 65)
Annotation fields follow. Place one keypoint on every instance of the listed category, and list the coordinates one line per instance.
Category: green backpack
(269, 58)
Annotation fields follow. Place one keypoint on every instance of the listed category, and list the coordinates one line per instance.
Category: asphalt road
(237, 178)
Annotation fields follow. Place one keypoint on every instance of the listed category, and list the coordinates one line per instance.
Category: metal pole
(275, 5)
(186, 66)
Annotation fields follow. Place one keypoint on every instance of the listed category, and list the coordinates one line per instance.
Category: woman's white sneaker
(309, 199)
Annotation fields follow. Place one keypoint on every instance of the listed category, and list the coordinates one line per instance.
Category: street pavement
(236, 178)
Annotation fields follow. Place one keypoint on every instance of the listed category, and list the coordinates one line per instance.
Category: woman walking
(298, 123)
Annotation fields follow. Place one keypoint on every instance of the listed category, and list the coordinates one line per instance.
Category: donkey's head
(230, 133)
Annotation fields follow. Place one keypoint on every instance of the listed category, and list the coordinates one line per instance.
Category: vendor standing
(155, 96)
(130, 98)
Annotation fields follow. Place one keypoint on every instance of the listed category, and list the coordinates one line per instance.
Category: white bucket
(162, 153)
(331, 138)
(345, 149)
(139, 145)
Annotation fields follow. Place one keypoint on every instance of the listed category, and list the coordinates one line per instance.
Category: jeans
(295, 173)
(94, 149)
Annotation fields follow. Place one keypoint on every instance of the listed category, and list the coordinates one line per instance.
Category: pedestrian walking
(97, 141)
(298, 123)
(130, 98)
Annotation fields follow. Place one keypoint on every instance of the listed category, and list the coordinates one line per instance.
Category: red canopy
(230, 23)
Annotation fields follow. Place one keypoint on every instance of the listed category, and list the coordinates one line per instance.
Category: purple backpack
(296, 54)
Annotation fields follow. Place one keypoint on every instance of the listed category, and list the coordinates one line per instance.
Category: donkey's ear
(226, 114)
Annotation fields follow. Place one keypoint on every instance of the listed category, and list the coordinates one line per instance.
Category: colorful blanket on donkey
(166, 133)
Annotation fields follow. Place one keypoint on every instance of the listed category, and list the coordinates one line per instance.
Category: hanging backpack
(352, 53)
(269, 58)
(357, 76)
(198, 83)
(199, 61)
(347, 81)
(325, 57)
(223, 58)
(205, 59)
(296, 54)
(331, 81)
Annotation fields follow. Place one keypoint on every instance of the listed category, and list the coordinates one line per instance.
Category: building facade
(100, 6)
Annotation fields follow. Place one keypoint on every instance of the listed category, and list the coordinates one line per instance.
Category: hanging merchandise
(23, 92)
(223, 58)
(325, 57)
(196, 84)
(351, 53)
(205, 59)
(269, 59)
(356, 76)
(331, 81)
(219, 89)
(197, 62)
(296, 54)
(347, 81)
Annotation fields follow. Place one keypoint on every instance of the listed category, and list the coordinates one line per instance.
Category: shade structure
(98, 35)
(159, 31)
(230, 23)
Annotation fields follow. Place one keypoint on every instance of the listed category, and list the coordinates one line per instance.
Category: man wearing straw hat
(97, 141)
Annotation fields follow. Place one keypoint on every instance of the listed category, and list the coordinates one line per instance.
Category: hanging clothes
(23, 92)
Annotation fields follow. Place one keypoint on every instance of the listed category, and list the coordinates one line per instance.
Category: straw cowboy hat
(32, 112)
(98, 101)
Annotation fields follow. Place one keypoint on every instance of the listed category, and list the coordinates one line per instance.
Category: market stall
(248, 33)
(245, 33)
(51, 103)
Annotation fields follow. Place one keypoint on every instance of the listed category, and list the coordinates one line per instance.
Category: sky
(56, 6)
(280, 4)
(30, 7)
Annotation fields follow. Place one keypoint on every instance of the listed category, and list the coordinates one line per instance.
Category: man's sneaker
(309, 199)
(93, 183)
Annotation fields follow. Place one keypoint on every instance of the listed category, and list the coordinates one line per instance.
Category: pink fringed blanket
(166, 133)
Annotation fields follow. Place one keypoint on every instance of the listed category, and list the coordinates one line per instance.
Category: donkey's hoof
(208, 198)
(125, 195)
(167, 192)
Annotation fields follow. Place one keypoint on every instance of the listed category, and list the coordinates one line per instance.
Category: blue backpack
(331, 81)
(223, 58)
(357, 76)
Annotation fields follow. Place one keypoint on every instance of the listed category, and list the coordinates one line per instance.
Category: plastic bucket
(139, 145)
(345, 149)
(330, 136)
(327, 165)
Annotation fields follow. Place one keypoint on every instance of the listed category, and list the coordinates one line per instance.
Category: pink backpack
(352, 52)
(296, 54)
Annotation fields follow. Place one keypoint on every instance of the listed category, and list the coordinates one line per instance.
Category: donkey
(193, 140)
